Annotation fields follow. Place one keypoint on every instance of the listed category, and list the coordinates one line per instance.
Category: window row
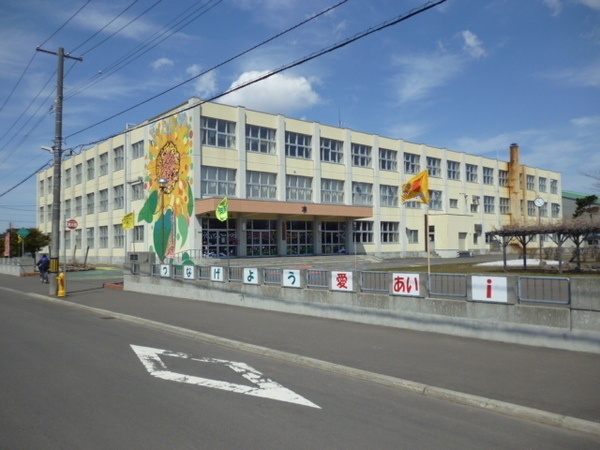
(98, 237)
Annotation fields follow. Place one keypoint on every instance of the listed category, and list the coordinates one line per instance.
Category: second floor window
(298, 189)
(361, 155)
(261, 185)
(332, 151)
(260, 139)
(388, 195)
(332, 191)
(388, 159)
(118, 197)
(217, 181)
(298, 145)
(362, 193)
(217, 132)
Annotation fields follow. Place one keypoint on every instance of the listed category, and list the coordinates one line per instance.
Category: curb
(505, 408)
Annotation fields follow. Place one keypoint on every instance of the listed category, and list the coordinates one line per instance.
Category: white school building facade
(294, 187)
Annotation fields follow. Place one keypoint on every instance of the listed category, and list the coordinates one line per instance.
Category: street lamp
(539, 203)
(162, 185)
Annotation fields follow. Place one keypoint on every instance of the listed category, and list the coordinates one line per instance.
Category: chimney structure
(515, 188)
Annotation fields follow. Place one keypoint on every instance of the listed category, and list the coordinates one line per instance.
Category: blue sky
(468, 75)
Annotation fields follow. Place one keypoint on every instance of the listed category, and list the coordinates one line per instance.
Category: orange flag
(417, 186)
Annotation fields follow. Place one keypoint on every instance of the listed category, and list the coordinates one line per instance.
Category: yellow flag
(417, 186)
(19, 238)
(222, 210)
(128, 221)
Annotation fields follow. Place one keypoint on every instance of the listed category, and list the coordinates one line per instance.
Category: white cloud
(554, 5)
(587, 76)
(161, 62)
(584, 122)
(420, 75)
(472, 45)
(279, 93)
(594, 4)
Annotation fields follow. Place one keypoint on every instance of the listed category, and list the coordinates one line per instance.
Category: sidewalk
(555, 381)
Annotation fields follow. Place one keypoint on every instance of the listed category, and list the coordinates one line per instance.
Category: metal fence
(448, 285)
(545, 290)
(272, 276)
(236, 274)
(375, 281)
(317, 278)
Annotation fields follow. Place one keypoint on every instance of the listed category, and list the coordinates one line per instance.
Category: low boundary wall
(508, 309)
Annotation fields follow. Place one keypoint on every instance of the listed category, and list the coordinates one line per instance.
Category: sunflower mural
(170, 206)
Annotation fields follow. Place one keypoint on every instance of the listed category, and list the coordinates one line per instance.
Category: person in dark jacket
(44, 266)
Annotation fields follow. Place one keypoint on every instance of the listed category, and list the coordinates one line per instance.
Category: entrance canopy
(242, 207)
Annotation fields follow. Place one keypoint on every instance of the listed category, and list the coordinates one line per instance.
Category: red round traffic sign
(72, 224)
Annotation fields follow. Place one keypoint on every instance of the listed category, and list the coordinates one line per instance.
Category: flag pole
(428, 242)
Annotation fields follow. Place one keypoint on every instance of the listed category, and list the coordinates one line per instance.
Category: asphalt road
(70, 379)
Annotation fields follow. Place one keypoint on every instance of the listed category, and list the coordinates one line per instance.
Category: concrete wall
(573, 327)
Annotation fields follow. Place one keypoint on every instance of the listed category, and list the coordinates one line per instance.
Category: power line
(48, 164)
(343, 43)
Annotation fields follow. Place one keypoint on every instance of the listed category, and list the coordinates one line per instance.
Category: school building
(294, 187)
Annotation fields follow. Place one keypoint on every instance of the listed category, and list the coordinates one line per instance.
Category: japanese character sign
(342, 281)
(406, 284)
(250, 276)
(189, 272)
(291, 278)
(217, 274)
(165, 271)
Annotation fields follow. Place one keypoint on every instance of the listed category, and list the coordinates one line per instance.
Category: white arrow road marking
(266, 388)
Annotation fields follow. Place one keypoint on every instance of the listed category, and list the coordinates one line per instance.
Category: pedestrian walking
(43, 266)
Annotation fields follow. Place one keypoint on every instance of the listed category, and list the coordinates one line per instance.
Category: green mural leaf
(191, 201)
(147, 212)
(183, 227)
(188, 262)
(162, 231)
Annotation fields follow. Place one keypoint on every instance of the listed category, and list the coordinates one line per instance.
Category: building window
(138, 233)
(103, 207)
(435, 200)
(388, 159)
(412, 236)
(103, 168)
(412, 163)
(530, 182)
(261, 237)
(471, 173)
(103, 237)
(503, 178)
(217, 181)
(41, 187)
(555, 210)
(362, 231)
(118, 158)
(554, 186)
(361, 155)
(68, 208)
(118, 236)
(390, 232)
(413, 204)
(332, 191)
(78, 173)
(542, 184)
(78, 234)
(298, 145)
(362, 193)
(388, 195)
(531, 209)
(89, 238)
(544, 210)
(488, 204)
(434, 165)
(488, 175)
(137, 191)
(475, 204)
(68, 178)
(504, 205)
(137, 150)
(260, 139)
(41, 217)
(454, 203)
(91, 165)
(78, 206)
(217, 132)
(332, 151)
(118, 197)
(90, 203)
(298, 189)
(261, 185)
(453, 170)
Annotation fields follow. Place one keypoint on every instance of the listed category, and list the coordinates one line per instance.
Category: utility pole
(56, 177)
